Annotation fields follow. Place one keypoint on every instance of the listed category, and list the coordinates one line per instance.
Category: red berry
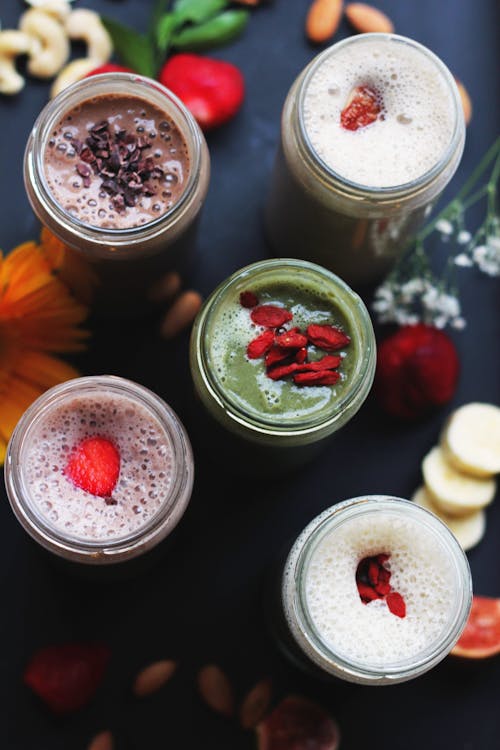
(109, 68)
(396, 604)
(66, 677)
(94, 466)
(212, 89)
(417, 370)
(362, 109)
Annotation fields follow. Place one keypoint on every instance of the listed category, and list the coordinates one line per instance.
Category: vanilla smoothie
(99, 470)
(372, 131)
(117, 168)
(376, 591)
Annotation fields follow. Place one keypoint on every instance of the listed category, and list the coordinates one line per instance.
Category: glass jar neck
(97, 239)
(278, 430)
(429, 182)
(299, 616)
(121, 547)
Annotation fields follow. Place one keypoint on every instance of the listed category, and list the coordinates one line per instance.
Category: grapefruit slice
(481, 635)
(298, 723)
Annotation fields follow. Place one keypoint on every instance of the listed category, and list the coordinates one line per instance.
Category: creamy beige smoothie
(372, 131)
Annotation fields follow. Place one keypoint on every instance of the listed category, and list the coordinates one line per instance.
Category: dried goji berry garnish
(373, 572)
(329, 362)
(301, 355)
(260, 345)
(248, 299)
(276, 354)
(271, 316)
(292, 339)
(327, 337)
(396, 604)
(367, 593)
(281, 371)
(363, 108)
(322, 377)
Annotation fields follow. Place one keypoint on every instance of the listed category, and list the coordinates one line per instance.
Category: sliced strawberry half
(363, 108)
(94, 466)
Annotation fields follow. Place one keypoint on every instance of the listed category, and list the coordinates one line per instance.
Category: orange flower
(38, 317)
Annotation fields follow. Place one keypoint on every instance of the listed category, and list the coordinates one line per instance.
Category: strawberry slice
(363, 108)
(94, 466)
(66, 677)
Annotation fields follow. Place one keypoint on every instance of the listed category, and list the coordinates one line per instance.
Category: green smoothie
(322, 339)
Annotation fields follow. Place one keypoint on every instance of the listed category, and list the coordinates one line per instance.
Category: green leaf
(164, 30)
(133, 49)
(217, 31)
(198, 11)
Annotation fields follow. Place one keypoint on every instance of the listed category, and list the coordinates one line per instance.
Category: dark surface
(201, 603)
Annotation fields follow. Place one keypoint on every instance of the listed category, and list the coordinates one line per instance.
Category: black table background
(202, 602)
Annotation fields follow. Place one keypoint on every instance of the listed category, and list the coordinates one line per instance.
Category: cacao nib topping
(119, 160)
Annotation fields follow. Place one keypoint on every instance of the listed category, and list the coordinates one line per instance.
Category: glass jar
(26, 476)
(297, 627)
(266, 440)
(116, 268)
(355, 230)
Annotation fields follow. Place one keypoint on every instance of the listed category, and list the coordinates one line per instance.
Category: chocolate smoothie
(116, 162)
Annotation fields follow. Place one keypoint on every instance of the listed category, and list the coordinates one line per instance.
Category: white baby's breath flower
(463, 260)
(444, 227)
(463, 237)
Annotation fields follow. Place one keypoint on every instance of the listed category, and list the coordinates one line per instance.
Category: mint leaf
(133, 49)
(198, 11)
(164, 30)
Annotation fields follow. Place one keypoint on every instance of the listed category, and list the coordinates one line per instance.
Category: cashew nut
(12, 44)
(72, 72)
(59, 9)
(54, 45)
(85, 24)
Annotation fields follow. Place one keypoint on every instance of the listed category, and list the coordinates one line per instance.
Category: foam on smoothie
(145, 470)
(421, 573)
(415, 126)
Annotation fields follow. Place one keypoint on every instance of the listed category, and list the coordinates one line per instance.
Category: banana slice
(469, 530)
(471, 439)
(452, 491)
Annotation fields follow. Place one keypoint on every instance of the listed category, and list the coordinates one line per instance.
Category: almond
(323, 19)
(216, 690)
(165, 289)
(466, 101)
(255, 705)
(102, 741)
(365, 18)
(182, 312)
(152, 678)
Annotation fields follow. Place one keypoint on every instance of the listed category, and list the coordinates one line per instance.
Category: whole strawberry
(417, 371)
(212, 89)
(66, 677)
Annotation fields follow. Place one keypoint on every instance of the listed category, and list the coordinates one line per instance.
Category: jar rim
(351, 306)
(130, 544)
(119, 83)
(390, 190)
(306, 632)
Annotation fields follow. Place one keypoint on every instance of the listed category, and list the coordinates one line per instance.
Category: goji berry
(301, 355)
(373, 572)
(248, 299)
(327, 362)
(260, 345)
(363, 108)
(271, 316)
(396, 604)
(367, 592)
(281, 371)
(327, 337)
(323, 377)
(276, 354)
(292, 339)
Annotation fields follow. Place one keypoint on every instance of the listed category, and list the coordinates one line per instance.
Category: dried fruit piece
(417, 370)
(248, 299)
(322, 377)
(256, 704)
(292, 339)
(298, 723)
(363, 108)
(281, 371)
(323, 19)
(102, 741)
(66, 677)
(260, 345)
(94, 466)
(480, 638)
(152, 678)
(276, 354)
(216, 690)
(452, 491)
(396, 604)
(181, 314)
(328, 362)
(301, 355)
(271, 316)
(365, 18)
(327, 337)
